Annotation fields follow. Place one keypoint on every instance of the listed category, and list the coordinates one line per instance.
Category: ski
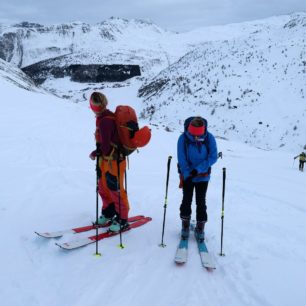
(81, 229)
(181, 252)
(206, 259)
(74, 244)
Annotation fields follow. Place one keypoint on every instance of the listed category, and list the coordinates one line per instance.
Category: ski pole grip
(168, 174)
(169, 161)
(224, 178)
(168, 170)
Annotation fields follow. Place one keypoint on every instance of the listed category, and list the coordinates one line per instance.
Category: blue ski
(206, 259)
(181, 252)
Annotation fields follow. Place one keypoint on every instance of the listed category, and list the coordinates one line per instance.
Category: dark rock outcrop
(39, 72)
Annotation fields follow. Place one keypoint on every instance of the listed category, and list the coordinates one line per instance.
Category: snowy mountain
(250, 88)
(115, 41)
(28, 43)
(112, 42)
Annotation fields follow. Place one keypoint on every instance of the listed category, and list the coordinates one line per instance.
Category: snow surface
(48, 183)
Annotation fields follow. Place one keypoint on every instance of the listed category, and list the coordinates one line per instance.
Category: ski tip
(210, 269)
(48, 235)
(40, 234)
(62, 246)
(179, 263)
(44, 235)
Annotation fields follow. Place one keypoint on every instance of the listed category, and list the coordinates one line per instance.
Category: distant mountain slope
(252, 88)
(27, 43)
(114, 41)
(15, 76)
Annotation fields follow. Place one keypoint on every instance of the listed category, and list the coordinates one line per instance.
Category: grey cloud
(172, 14)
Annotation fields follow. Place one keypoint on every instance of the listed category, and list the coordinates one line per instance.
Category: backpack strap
(115, 153)
(204, 142)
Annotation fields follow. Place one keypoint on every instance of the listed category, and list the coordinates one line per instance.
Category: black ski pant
(301, 165)
(200, 192)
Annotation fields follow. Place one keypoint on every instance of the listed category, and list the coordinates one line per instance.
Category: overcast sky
(178, 15)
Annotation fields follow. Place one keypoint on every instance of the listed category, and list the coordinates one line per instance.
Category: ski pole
(222, 213)
(98, 172)
(119, 200)
(166, 200)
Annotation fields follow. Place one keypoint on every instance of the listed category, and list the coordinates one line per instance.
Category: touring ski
(57, 234)
(74, 244)
(206, 259)
(181, 252)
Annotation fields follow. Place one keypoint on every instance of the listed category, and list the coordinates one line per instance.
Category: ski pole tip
(121, 246)
(162, 245)
(98, 255)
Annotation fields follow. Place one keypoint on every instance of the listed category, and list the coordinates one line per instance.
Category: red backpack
(130, 136)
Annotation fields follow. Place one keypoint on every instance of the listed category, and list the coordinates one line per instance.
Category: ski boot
(118, 224)
(199, 231)
(103, 221)
(185, 228)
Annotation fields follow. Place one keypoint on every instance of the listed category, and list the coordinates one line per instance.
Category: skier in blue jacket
(197, 152)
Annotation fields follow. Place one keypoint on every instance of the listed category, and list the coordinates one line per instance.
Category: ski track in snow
(48, 183)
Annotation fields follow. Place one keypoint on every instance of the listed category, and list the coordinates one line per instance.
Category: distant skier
(115, 206)
(197, 152)
(302, 160)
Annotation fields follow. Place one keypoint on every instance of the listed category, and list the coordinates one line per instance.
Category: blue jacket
(192, 154)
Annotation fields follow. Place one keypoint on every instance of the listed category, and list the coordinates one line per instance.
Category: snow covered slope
(16, 76)
(48, 183)
(250, 88)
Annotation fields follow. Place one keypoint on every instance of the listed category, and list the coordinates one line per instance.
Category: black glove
(98, 152)
(193, 173)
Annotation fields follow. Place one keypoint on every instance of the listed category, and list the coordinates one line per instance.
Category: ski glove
(194, 173)
(94, 154)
